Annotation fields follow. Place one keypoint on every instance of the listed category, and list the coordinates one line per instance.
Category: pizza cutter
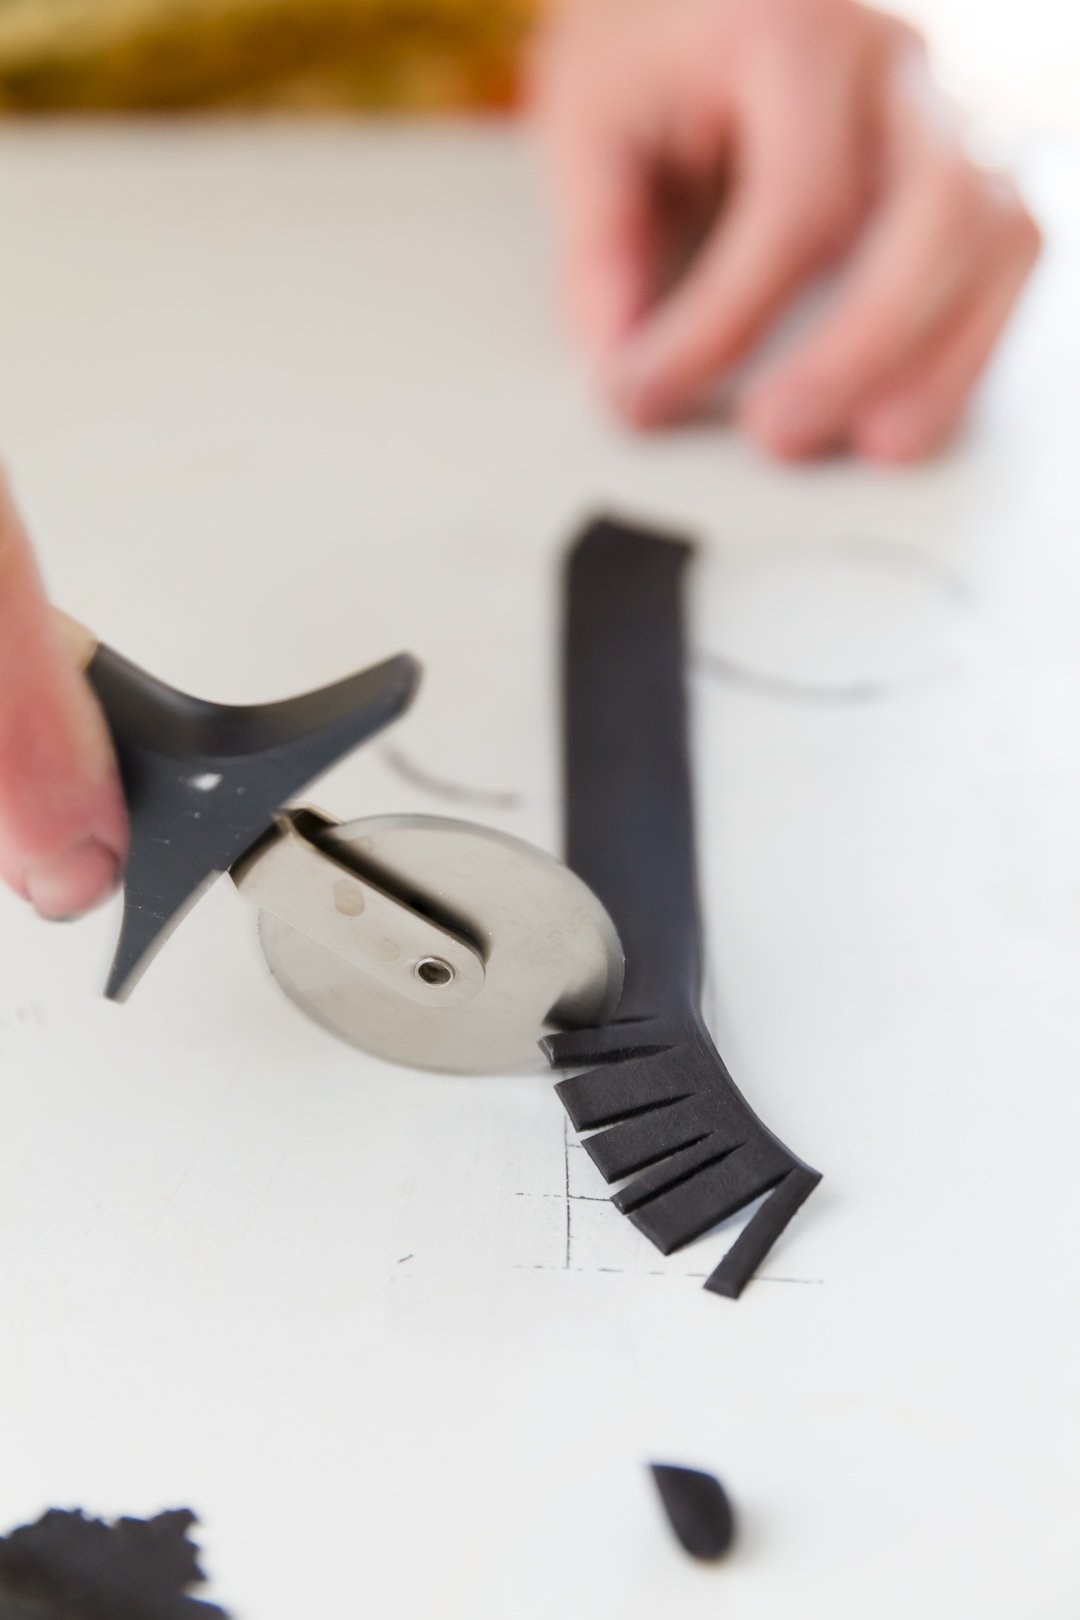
(431, 942)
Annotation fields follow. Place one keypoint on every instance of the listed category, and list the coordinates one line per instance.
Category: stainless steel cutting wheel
(551, 956)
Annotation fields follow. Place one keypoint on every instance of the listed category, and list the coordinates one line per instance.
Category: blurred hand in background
(711, 158)
(63, 825)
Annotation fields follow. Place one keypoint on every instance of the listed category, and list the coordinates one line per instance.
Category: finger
(792, 204)
(918, 411)
(920, 258)
(608, 236)
(590, 111)
(62, 817)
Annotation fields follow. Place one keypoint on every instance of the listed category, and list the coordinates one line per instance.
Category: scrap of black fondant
(698, 1509)
(204, 781)
(662, 1104)
(70, 1567)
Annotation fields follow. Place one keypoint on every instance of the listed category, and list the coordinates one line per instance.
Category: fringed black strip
(659, 1097)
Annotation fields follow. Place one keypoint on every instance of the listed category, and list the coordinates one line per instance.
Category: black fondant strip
(641, 1141)
(743, 1258)
(668, 1173)
(640, 1084)
(629, 822)
(691, 1207)
(660, 1099)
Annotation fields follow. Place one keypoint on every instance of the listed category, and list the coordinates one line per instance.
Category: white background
(279, 403)
(1016, 57)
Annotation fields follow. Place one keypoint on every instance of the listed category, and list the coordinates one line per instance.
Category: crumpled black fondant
(70, 1567)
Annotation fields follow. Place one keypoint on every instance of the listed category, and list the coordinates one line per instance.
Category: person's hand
(63, 823)
(785, 137)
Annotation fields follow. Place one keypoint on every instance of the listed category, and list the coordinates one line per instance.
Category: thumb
(63, 823)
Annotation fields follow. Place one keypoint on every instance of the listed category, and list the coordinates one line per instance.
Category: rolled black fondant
(698, 1509)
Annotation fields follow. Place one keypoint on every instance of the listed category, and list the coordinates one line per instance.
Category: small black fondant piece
(698, 1508)
(661, 1102)
(69, 1567)
(204, 781)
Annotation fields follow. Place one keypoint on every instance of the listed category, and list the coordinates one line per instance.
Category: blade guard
(204, 781)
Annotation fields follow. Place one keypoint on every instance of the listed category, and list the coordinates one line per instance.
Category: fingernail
(790, 418)
(65, 886)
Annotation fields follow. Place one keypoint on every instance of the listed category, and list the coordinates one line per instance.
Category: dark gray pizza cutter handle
(204, 781)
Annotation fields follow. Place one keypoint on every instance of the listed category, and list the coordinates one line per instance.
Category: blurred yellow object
(313, 55)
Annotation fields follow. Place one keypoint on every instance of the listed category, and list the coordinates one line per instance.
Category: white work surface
(279, 403)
